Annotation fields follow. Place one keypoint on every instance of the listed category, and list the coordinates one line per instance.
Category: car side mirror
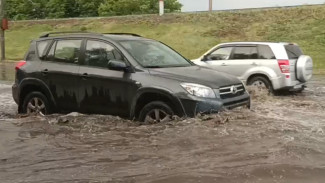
(205, 58)
(117, 65)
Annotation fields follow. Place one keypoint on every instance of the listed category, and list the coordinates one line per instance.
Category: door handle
(45, 71)
(85, 76)
(223, 64)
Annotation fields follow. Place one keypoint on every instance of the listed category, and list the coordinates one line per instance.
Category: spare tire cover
(304, 68)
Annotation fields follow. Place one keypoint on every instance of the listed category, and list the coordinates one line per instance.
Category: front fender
(162, 91)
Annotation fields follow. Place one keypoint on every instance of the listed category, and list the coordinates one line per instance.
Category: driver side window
(220, 54)
(98, 54)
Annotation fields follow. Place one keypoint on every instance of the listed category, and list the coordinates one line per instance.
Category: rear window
(41, 46)
(293, 51)
(67, 51)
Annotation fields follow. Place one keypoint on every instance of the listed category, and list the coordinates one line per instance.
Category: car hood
(198, 75)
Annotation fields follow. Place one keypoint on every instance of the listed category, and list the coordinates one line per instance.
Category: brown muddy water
(281, 139)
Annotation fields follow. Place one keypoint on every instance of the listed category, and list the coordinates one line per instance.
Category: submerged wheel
(36, 103)
(260, 82)
(156, 112)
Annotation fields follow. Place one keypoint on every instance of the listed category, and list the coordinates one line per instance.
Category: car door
(234, 60)
(102, 90)
(60, 71)
(218, 58)
(243, 58)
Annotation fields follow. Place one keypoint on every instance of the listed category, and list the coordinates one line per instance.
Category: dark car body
(75, 86)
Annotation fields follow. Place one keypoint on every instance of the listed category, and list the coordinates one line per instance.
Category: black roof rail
(65, 32)
(122, 33)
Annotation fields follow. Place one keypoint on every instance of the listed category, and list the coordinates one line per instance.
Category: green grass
(194, 33)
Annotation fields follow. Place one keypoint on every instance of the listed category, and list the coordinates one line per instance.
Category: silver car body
(245, 69)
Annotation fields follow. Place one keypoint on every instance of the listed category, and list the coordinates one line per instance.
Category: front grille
(231, 91)
(232, 104)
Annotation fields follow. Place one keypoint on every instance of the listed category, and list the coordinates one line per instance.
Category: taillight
(284, 66)
(20, 64)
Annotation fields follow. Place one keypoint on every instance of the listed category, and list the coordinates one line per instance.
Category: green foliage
(39, 9)
(88, 8)
(26, 9)
(62, 8)
(126, 7)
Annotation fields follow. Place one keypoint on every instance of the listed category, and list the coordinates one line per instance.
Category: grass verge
(194, 33)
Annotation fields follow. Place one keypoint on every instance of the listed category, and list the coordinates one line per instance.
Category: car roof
(257, 43)
(108, 36)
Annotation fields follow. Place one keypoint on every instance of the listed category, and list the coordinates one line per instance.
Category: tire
(148, 114)
(262, 81)
(300, 90)
(304, 68)
(36, 102)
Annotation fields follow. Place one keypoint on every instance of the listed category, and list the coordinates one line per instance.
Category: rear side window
(66, 51)
(293, 51)
(31, 53)
(245, 52)
(265, 52)
(30, 56)
(41, 46)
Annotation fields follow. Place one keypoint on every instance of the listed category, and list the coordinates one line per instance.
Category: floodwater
(281, 139)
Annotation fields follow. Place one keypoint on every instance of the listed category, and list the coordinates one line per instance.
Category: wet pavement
(281, 139)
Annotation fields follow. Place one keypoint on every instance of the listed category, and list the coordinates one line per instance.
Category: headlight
(199, 90)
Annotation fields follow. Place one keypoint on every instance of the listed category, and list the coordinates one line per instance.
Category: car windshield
(153, 54)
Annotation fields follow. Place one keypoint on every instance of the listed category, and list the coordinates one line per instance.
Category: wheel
(300, 90)
(304, 68)
(36, 102)
(261, 82)
(156, 112)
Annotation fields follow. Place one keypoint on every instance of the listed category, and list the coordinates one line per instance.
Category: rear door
(60, 71)
(242, 59)
(266, 58)
(293, 52)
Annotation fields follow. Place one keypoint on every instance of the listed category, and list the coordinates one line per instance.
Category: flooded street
(281, 139)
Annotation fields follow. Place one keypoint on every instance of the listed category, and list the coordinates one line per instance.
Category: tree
(88, 8)
(127, 7)
(27, 9)
(39, 9)
(62, 8)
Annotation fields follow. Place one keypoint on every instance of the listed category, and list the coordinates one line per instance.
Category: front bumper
(194, 105)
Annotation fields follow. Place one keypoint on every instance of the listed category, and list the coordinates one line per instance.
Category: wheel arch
(265, 72)
(29, 85)
(150, 94)
(258, 75)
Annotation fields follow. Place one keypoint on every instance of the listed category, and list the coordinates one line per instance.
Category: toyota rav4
(119, 74)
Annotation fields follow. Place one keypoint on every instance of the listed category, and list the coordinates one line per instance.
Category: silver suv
(276, 66)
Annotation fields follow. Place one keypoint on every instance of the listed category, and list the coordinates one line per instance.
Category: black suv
(119, 74)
